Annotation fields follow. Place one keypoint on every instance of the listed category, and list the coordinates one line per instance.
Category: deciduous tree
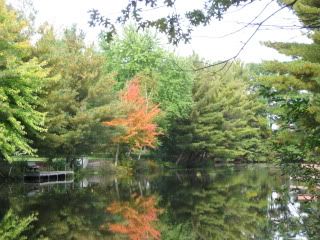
(139, 122)
(21, 78)
(163, 78)
(177, 26)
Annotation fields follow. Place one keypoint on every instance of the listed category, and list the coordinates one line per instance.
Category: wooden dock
(47, 176)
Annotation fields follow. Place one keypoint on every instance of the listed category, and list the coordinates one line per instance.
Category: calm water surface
(235, 202)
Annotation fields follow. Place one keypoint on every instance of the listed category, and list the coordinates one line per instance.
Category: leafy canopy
(177, 26)
(21, 78)
(140, 54)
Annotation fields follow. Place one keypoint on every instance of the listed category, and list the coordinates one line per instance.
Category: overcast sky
(209, 42)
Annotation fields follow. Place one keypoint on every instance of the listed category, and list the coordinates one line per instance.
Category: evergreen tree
(78, 96)
(227, 121)
(21, 77)
(292, 89)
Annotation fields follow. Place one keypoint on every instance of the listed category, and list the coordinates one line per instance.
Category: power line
(248, 24)
(290, 27)
(249, 39)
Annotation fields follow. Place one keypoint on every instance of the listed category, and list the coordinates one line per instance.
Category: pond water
(230, 202)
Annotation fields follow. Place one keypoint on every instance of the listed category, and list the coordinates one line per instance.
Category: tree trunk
(10, 170)
(117, 187)
(179, 158)
(140, 188)
(140, 154)
(117, 155)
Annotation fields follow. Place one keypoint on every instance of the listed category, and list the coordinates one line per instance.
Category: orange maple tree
(140, 129)
(138, 218)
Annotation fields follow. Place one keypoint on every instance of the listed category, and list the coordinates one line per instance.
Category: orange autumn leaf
(138, 218)
(133, 94)
(140, 129)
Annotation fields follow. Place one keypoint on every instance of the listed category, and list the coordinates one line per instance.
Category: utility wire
(290, 27)
(248, 24)
(248, 40)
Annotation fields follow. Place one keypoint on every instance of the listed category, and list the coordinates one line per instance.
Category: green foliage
(170, 231)
(131, 54)
(12, 227)
(77, 97)
(308, 12)
(21, 77)
(228, 203)
(292, 89)
(162, 77)
(177, 27)
(227, 122)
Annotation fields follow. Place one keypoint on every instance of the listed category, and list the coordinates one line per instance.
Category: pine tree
(293, 90)
(78, 96)
(226, 120)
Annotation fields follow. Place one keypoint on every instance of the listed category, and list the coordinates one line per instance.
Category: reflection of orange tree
(140, 129)
(138, 218)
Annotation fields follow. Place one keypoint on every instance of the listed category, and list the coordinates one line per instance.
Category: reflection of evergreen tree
(221, 205)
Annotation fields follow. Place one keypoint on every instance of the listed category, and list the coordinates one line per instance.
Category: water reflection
(237, 202)
(224, 204)
(138, 218)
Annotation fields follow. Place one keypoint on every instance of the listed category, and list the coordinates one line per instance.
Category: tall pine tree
(77, 97)
(227, 121)
(293, 90)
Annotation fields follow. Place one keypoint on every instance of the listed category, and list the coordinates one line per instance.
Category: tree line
(61, 97)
